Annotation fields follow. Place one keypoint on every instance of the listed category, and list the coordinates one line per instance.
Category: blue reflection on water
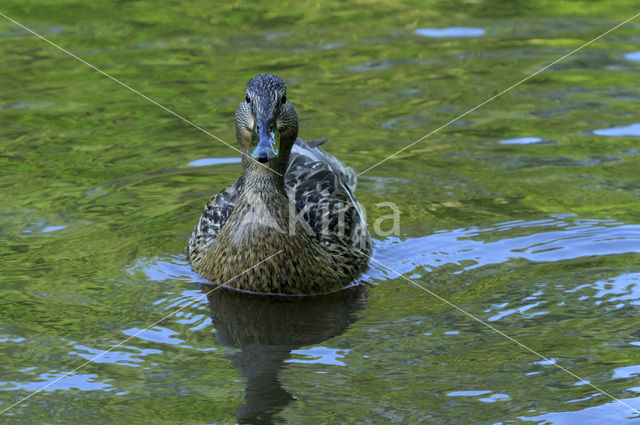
(489, 399)
(632, 130)
(114, 357)
(626, 372)
(495, 397)
(467, 393)
(213, 161)
(88, 382)
(633, 56)
(522, 141)
(155, 334)
(52, 229)
(320, 355)
(625, 287)
(558, 240)
(608, 413)
(450, 32)
(520, 310)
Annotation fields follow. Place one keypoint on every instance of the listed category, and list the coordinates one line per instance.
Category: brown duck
(290, 224)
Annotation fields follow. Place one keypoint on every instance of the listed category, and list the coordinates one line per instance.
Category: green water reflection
(526, 212)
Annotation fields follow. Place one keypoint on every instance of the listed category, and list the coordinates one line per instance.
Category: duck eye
(248, 99)
(284, 99)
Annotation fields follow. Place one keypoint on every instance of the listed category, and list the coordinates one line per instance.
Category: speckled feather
(319, 184)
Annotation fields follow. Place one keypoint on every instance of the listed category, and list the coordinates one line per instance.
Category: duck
(290, 224)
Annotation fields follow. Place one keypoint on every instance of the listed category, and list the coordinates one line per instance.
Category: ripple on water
(492, 398)
(119, 357)
(613, 411)
(450, 32)
(374, 65)
(43, 225)
(52, 228)
(632, 130)
(633, 56)
(626, 372)
(19, 32)
(174, 267)
(523, 162)
(83, 382)
(554, 239)
(519, 310)
(495, 397)
(213, 161)
(404, 123)
(619, 289)
(524, 141)
(467, 393)
(320, 355)
(155, 334)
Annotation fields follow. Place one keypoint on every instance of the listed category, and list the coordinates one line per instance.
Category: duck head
(266, 125)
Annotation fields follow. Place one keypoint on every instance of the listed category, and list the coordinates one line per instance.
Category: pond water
(525, 214)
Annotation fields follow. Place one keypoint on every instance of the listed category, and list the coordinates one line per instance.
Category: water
(525, 214)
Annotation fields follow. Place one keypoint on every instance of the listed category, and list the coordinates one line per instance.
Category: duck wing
(322, 188)
(215, 215)
(305, 153)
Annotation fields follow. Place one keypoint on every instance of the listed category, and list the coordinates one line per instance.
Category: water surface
(525, 213)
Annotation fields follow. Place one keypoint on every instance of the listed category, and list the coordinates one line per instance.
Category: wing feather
(215, 215)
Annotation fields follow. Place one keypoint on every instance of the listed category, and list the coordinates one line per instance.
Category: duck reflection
(266, 328)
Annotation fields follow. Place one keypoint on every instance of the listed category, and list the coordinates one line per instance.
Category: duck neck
(266, 178)
(263, 180)
(262, 208)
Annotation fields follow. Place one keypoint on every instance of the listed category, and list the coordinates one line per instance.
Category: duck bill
(265, 140)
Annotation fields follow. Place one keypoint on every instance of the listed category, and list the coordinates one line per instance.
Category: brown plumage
(293, 202)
